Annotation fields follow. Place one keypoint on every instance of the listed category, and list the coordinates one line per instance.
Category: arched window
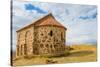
(51, 33)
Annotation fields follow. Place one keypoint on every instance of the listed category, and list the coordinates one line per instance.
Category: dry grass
(80, 53)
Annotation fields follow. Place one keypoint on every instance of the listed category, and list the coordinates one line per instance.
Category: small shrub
(69, 48)
(49, 61)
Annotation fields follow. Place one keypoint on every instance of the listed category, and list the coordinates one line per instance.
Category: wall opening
(17, 50)
(51, 33)
(25, 49)
(21, 49)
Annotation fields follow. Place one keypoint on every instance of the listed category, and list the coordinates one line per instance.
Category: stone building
(45, 36)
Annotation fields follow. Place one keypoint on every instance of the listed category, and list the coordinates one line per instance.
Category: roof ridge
(35, 21)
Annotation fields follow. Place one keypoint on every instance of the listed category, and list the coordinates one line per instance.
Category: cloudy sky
(80, 20)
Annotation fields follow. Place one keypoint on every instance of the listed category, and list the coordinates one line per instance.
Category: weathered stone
(43, 37)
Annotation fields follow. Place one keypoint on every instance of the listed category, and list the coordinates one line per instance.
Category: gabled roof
(51, 22)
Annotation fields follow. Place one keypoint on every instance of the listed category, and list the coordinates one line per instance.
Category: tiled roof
(49, 21)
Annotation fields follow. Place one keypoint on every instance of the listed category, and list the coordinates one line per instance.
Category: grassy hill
(79, 53)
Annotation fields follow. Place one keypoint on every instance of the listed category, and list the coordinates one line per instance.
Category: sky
(80, 20)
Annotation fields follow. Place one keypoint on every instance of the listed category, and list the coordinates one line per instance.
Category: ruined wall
(25, 40)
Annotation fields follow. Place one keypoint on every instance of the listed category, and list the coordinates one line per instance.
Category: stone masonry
(45, 36)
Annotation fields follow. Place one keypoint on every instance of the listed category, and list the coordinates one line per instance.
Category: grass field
(80, 53)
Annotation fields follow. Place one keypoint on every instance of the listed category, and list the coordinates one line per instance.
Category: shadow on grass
(75, 54)
(67, 54)
(80, 53)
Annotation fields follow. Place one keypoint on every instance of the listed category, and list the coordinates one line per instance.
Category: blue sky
(80, 20)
